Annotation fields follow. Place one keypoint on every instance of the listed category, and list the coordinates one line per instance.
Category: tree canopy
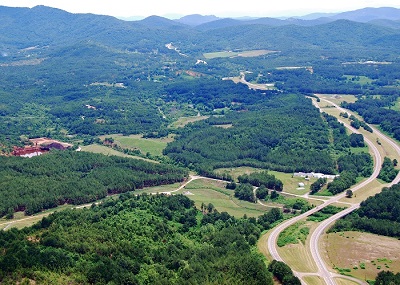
(59, 177)
(148, 239)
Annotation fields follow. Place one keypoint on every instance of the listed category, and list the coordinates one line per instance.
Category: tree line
(59, 177)
(378, 111)
(379, 214)
(147, 239)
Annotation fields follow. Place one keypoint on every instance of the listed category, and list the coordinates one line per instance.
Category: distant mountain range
(384, 16)
(48, 31)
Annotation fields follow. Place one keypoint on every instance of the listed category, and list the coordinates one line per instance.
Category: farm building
(314, 175)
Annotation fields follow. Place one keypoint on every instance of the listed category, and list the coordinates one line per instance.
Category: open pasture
(183, 121)
(290, 183)
(150, 145)
(210, 191)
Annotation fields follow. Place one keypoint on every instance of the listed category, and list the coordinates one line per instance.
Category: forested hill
(152, 239)
(60, 177)
(51, 28)
(260, 133)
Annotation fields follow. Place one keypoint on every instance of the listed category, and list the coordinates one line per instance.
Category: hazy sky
(221, 8)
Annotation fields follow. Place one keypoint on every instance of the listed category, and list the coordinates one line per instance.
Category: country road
(322, 269)
(9, 224)
(323, 272)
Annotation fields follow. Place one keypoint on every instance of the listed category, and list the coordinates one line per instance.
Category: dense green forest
(350, 167)
(75, 77)
(388, 171)
(262, 179)
(283, 273)
(137, 240)
(378, 111)
(260, 134)
(378, 214)
(387, 277)
(59, 177)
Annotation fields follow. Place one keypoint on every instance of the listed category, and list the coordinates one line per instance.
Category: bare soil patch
(47, 141)
(363, 253)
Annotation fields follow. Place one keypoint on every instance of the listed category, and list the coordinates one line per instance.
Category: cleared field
(362, 194)
(107, 84)
(153, 146)
(290, 183)
(396, 106)
(363, 80)
(183, 121)
(337, 99)
(237, 171)
(95, 148)
(362, 255)
(209, 191)
(20, 220)
(28, 222)
(249, 53)
(227, 126)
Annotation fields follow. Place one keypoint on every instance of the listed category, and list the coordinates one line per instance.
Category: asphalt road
(322, 269)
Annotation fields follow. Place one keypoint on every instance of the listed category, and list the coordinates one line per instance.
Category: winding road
(323, 271)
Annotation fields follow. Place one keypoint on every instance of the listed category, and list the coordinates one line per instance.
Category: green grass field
(298, 255)
(337, 99)
(294, 234)
(290, 183)
(183, 121)
(208, 191)
(396, 106)
(362, 80)
(153, 146)
(95, 148)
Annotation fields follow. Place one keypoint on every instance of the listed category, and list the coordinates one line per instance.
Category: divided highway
(323, 271)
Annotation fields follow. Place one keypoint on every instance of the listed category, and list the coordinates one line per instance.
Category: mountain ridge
(43, 26)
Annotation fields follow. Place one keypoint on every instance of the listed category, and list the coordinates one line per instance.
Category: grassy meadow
(290, 183)
(210, 191)
(183, 121)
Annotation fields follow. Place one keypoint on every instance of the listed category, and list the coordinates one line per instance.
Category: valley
(181, 161)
